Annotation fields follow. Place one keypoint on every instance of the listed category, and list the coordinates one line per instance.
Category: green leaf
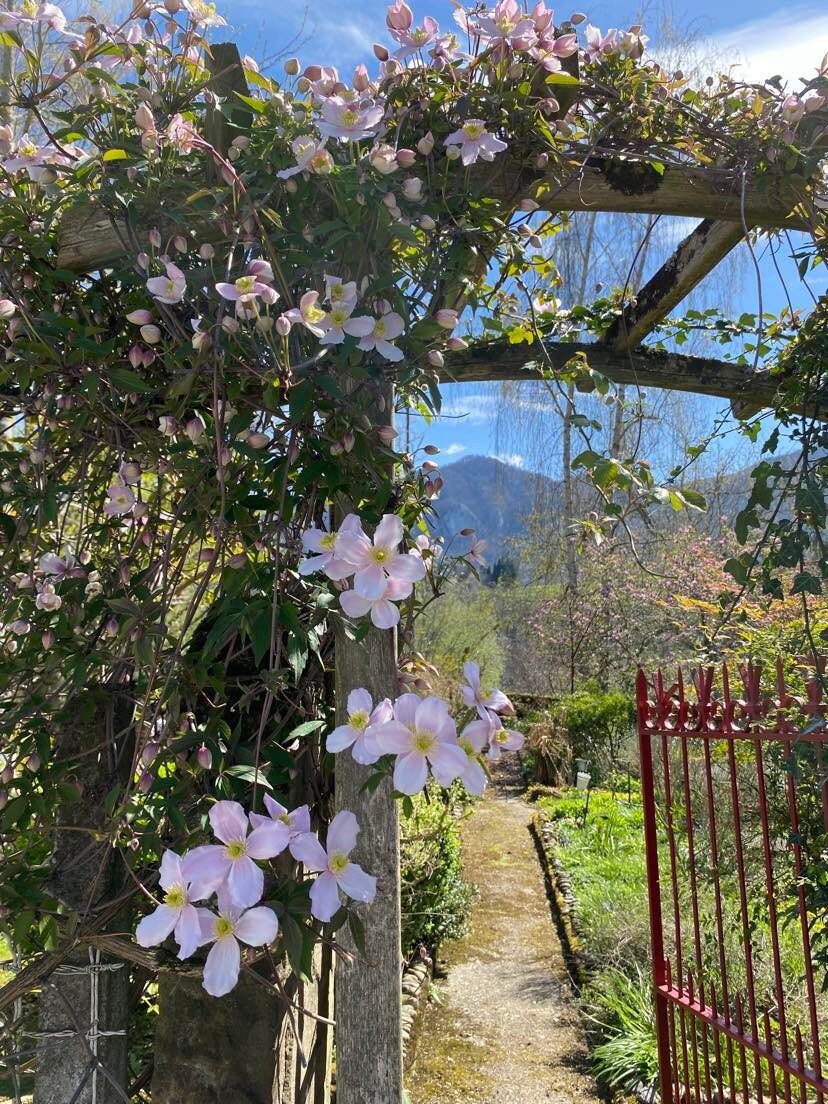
(128, 381)
(115, 155)
(306, 728)
(562, 78)
(248, 774)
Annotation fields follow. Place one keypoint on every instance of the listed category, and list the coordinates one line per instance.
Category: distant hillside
(494, 499)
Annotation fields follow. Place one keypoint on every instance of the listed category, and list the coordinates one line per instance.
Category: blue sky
(759, 37)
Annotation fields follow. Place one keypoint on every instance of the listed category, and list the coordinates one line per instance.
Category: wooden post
(369, 1064)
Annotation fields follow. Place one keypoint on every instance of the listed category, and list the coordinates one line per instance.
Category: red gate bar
(735, 796)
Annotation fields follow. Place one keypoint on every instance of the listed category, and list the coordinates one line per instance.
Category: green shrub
(435, 899)
(623, 1007)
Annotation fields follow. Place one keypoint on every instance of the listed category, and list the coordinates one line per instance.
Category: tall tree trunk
(84, 1005)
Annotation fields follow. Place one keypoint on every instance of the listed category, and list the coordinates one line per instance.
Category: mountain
(493, 498)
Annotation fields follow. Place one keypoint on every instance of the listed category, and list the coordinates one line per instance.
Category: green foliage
(623, 1007)
(461, 626)
(587, 725)
(435, 899)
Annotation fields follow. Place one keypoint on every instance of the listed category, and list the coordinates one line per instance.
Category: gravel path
(505, 1030)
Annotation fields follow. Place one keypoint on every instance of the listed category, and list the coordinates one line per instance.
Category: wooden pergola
(369, 1053)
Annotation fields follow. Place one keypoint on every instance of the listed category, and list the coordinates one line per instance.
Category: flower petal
(245, 881)
(257, 927)
(370, 581)
(170, 870)
(389, 532)
(343, 832)
(205, 868)
(410, 773)
(221, 970)
(187, 931)
(432, 714)
(448, 761)
(357, 884)
(342, 737)
(360, 701)
(273, 807)
(384, 614)
(308, 850)
(407, 567)
(324, 897)
(392, 738)
(354, 604)
(228, 821)
(268, 840)
(155, 928)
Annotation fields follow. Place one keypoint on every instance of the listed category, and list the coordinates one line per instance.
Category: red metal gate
(735, 791)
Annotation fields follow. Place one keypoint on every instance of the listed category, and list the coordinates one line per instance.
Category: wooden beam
(90, 239)
(695, 257)
(685, 191)
(500, 361)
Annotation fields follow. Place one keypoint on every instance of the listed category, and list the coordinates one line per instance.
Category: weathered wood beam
(500, 361)
(695, 257)
(90, 240)
(685, 191)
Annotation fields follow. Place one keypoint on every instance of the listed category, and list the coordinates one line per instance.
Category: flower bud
(431, 450)
(426, 144)
(149, 752)
(446, 318)
(361, 80)
(168, 425)
(155, 238)
(204, 757)
(7, 308)
(529, 205)
(194, 428)
(145, 782)
(20, 627)
(387, 434)
(406, 158)
(282, 326)
(542, 160)
(436, 358)
(140, 317)
(429, 466)
(180, 243)
(427, 222)
(4, 797)
(292, 66)
(206, 251)
(453, 153)
(238, 561)
(111, 627)
(380, 52)
(151, 334)
(34, 763)
(47, 639)
(456, 344)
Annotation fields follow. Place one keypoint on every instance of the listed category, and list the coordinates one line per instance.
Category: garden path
(505, 1030)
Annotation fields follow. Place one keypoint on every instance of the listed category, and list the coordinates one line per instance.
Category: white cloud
(454, 449)
(789, 42)
(514, 459)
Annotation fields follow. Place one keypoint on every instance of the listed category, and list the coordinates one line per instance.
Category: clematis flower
(176, 915)
(422, 735)
(502, 739)
(338, 324)
(254, 926)
(472, 740)
(384, 614)
(311, 156)
(360, 730)
(351, 119)
(204, 13)
(413, 39)
(340, 294)
(386, 328)
(48, 599)
(475, 142)
(506, 28)
(335, 869)
(29, 156)
(477, 697)
(182, 134)
(169, 288)
(120, 500)
(244, 290)
(288, 825)
(324, 545)
(231, 861)
(308, 314)
(597, 44)
(52, 564)
(379, 559)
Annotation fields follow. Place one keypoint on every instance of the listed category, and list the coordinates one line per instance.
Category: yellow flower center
(313, 313)
(337, 862)
(379, 328)
(379, 555)
(244, 284)
(337, 293)
(500, 736)
(339, 316)
(350, 118)
(419, 35)
(28, 149)
(466, 745)
(423, 741)
(236, 848)
(328, 542)
(359, 720)
(224, 926)
(284, 818)
(473, 130)
(175, 897)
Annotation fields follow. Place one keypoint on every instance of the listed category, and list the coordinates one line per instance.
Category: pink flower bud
(4, 797)
(406, 158)
(431, 450)
(7, 308)
(456, 344)
(361, 79)
(34, 763)
(144, 120)
(292, 66)
(136, 356)
(258, 440)
(542, 160)
(7, 774)
(426, 144)
(142, 260)
(448, 319)
(436, 358)
(180, 243)
(111, 627)
(47, 639)
(429, 466)
(194, 428)
(204, 757)
(437, 484)
(145, 782)
(149, 752)
(140, 317)
(282, 326)
(151, 334)
(238, 561)
(155, 238)
(348, 440)
(529, 205)
(466, 533)
(168, 425)
(206, 251)
(380, 52)
(427, 222)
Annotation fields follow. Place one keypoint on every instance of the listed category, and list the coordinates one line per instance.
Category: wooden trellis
(369, 1067)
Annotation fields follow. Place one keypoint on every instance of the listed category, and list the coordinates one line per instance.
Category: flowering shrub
(183, 421)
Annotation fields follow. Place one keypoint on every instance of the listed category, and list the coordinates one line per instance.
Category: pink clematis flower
(411, 38)
(360, 731)
(308, 314)
(351, 119)
(288, 825)
(502, 739)
(422, 735)
(120, 500)
(311, 156)
(324, 545)
(255, 926)
(472, 740)
(182, 134)
(231, 861)
(597, 44)
(477, 697)
(339, 293)
(335, 869)
(475, 142)
(52, 564)
(387, 327)
(29, 156)
(506, 28)
(378, 560)
(244, 290)
(169, 288)
(384, 614)
(176, 915)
